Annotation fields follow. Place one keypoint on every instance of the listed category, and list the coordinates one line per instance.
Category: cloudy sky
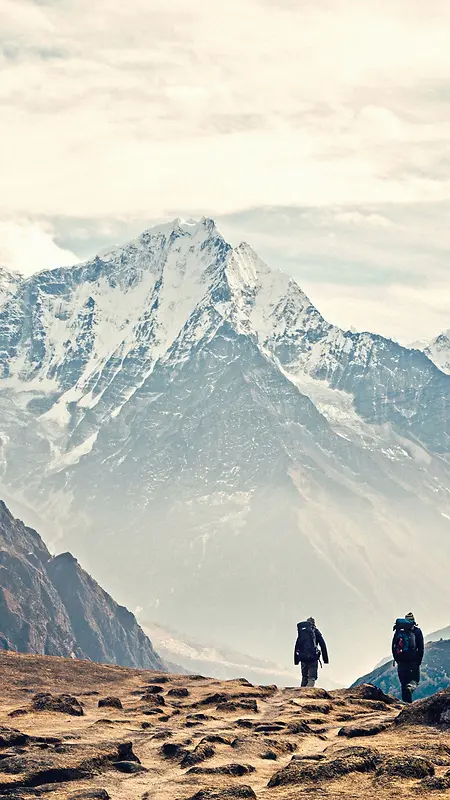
(317, 130)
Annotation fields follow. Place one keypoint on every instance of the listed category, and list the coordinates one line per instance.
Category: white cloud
(115, 109)
(133, 111)
(27, 247)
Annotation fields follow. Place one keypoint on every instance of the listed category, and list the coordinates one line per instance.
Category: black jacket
(321, 643)
(419, 644)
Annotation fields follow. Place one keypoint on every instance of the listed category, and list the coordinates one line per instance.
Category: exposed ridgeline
(51, 606)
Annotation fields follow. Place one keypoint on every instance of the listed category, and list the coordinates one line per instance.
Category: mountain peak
(189, 227)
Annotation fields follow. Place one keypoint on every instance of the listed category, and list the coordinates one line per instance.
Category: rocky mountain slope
(52, 606)
(439, 351)
(79, 730)
(436, 636)
(435, 672)
(219, 454)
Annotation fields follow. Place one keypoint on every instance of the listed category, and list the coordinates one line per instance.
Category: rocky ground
(74, 729)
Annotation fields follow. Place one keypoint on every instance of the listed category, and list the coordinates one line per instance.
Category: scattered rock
(202, 752)
(153, 699)
(158, 679)
(321, 708)
(57, 775)
(353, 731)
(9, 737)
(154, 689)
(173, 750)
(214, 699)
(405, 767)
(125, 752)
(249, 704)
(304, 691)
(110, 702)
(299, 727)
(245, 723)
(236, 770)
(435, 784)
(369, 692)
(178, 692)
(281, 747)
(90, 794)
(162, 734)
(130, 767)
(63, 704)
(150, 712)
(232, 793)
(269, 755)
(271, 727)
(312, 757)
(214, 738)
(18, 712)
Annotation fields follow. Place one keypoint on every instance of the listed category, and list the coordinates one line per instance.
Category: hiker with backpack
(309, 648)
(407, 650)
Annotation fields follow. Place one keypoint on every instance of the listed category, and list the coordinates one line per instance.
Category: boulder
(202, 752)
(354, 731)
(434, 710)
(236, 770)
(405, 767)
(110, 702)
(180, 691)
(357, 759)
(62, 703)
(130, 767)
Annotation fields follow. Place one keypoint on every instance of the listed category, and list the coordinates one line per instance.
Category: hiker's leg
(414, 678)
(406, 693)
(304, 666)
(312, 674)
(405, 677)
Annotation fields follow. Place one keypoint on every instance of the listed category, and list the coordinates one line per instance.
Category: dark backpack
(404, 645)
(306, 647)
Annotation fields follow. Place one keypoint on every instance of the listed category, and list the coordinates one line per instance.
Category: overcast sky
(317, 130)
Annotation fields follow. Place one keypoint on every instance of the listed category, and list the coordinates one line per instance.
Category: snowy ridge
(439, 351)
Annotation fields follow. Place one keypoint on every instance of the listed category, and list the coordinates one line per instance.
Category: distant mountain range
(51, 606)
(184, 419)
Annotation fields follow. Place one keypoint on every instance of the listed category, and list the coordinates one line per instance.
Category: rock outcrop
(51, 606)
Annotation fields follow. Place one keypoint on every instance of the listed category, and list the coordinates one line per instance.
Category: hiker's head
(311, 620)
(410, 616)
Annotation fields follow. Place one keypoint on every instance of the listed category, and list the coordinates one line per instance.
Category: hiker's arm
(420, 644)
(323, 647)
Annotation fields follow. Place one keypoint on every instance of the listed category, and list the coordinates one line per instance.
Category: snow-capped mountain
(439, 351)
(218, 453)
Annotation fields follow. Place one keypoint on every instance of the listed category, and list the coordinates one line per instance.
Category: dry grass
(322, 764)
